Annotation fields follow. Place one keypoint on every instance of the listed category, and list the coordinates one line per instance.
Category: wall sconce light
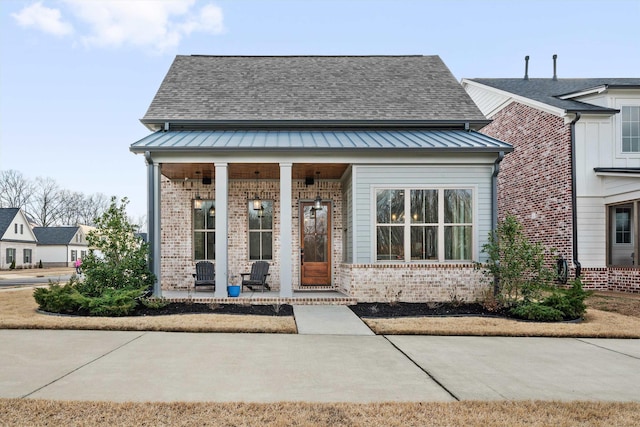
(317, 203)
(257, 203)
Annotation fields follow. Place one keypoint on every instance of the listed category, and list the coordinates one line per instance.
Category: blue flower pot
(233, 290)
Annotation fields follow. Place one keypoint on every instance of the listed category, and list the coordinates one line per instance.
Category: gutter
(574, 213)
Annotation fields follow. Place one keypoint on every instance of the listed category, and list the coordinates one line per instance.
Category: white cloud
(44, 19)
(158, 25)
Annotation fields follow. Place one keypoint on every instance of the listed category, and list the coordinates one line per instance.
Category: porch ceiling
(247, 170)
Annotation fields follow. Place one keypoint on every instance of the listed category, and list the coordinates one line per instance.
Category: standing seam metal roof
(340, 140)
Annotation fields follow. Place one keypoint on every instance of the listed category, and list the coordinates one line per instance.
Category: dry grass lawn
(18, 310)
(26, 412)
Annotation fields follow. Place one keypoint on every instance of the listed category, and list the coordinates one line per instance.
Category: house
(361, 174)
(61, 246)
(574, 176)
(17, 241)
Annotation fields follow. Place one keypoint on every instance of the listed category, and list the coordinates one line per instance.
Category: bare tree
(15, 189)
(93, 206)
(71, 208)
(46, 203)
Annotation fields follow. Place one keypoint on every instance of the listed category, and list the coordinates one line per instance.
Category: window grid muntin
(204, 236)
(441, 225)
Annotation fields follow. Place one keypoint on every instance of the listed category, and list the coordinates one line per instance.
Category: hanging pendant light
(317, 203)
(197, 203)
(257, 203)
(212, 211)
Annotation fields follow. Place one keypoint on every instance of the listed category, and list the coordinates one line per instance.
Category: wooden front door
(315, 245)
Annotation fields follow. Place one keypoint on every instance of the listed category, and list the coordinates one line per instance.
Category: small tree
(517, 264)
(117, 259)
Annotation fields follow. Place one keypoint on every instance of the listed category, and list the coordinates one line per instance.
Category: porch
(261, 298)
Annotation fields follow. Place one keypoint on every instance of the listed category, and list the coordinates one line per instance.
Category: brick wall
(177, 251)
(412, 282)
(534, 183)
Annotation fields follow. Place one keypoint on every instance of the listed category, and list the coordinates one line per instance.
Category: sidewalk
(163, 366)
(36, 272)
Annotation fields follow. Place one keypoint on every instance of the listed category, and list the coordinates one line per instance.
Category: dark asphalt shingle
(374, 88)
(55, 235)
(6, 218)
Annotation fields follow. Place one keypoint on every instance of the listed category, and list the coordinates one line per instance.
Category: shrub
(116, 271)
(536, 311)
(60, 299)
(569, 301)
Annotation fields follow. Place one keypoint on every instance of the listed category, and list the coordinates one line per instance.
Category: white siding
(477, 177)
(592, 251)
(489, 102)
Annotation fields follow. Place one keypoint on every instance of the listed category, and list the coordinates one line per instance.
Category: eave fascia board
(559, 112)
(585, 92)
(156, 125)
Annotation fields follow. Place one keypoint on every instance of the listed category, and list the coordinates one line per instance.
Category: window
(439, 227)
(15, 228)
(261, 231)
(11, 255)
(623, 234)
(74, 255)
(83, 254)
(27, 256)
(21, 228)
(204, 231)
(631, 129)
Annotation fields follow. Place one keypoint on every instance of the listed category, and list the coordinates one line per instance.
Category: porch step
(328, 320)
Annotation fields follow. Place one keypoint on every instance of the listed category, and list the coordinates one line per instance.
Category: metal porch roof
(455, 140)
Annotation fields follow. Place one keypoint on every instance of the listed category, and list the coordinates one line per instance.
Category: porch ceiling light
(317, 203)
(257, 203)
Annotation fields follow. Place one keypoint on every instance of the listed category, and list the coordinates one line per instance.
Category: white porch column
(222, 228)
(153, 221)
(286, 231)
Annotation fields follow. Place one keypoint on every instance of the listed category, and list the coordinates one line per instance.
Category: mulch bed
(407, 309)
(192, 308)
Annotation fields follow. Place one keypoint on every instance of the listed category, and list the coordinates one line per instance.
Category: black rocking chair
(205, 275)
(257, 277)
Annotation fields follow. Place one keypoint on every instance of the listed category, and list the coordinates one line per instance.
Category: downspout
(574, 213)
(494, 209)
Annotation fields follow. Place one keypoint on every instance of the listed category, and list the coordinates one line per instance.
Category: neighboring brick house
(573, 178)
(367, 173)
(17, 241)
(61, 246)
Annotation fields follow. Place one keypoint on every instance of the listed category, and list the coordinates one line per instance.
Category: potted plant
(233, 290)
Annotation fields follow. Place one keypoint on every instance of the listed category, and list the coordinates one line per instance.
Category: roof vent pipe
(526, 67)
(555, 75)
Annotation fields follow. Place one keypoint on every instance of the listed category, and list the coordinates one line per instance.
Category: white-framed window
(74, 255)
(26, 256)
(204, 230)
(21, 228)
(624, 234)
(426, 224)
(630, 120)
(11, 255)
(15, 228)
(261, 231)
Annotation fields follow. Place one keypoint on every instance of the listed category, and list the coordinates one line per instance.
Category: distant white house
(61, 246)
(17, 240)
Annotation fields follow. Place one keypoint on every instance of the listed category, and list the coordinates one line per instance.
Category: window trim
(206, 231)
(260, 231)
(635, 235)
(619, 104)
(24, 255)
(14, 256)
(441, 223)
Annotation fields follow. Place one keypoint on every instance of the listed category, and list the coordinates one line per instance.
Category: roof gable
(560, 93)
(6, 218)
(55, 235)
(310, 88)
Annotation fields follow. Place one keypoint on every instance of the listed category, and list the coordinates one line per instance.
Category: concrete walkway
(163, 366)
(328, 320)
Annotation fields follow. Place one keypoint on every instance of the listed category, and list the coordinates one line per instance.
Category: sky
(77, 75)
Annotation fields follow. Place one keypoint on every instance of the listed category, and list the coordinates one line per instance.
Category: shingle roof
(548, 91)
(315, 139)
(302, 88)
(6, 217)
(54, 235)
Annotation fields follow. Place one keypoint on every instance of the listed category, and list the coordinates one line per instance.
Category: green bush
(116, 274)
(536, 311)
(63, 299)
(569, 301)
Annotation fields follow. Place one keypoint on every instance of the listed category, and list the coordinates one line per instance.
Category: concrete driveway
(161, 366)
